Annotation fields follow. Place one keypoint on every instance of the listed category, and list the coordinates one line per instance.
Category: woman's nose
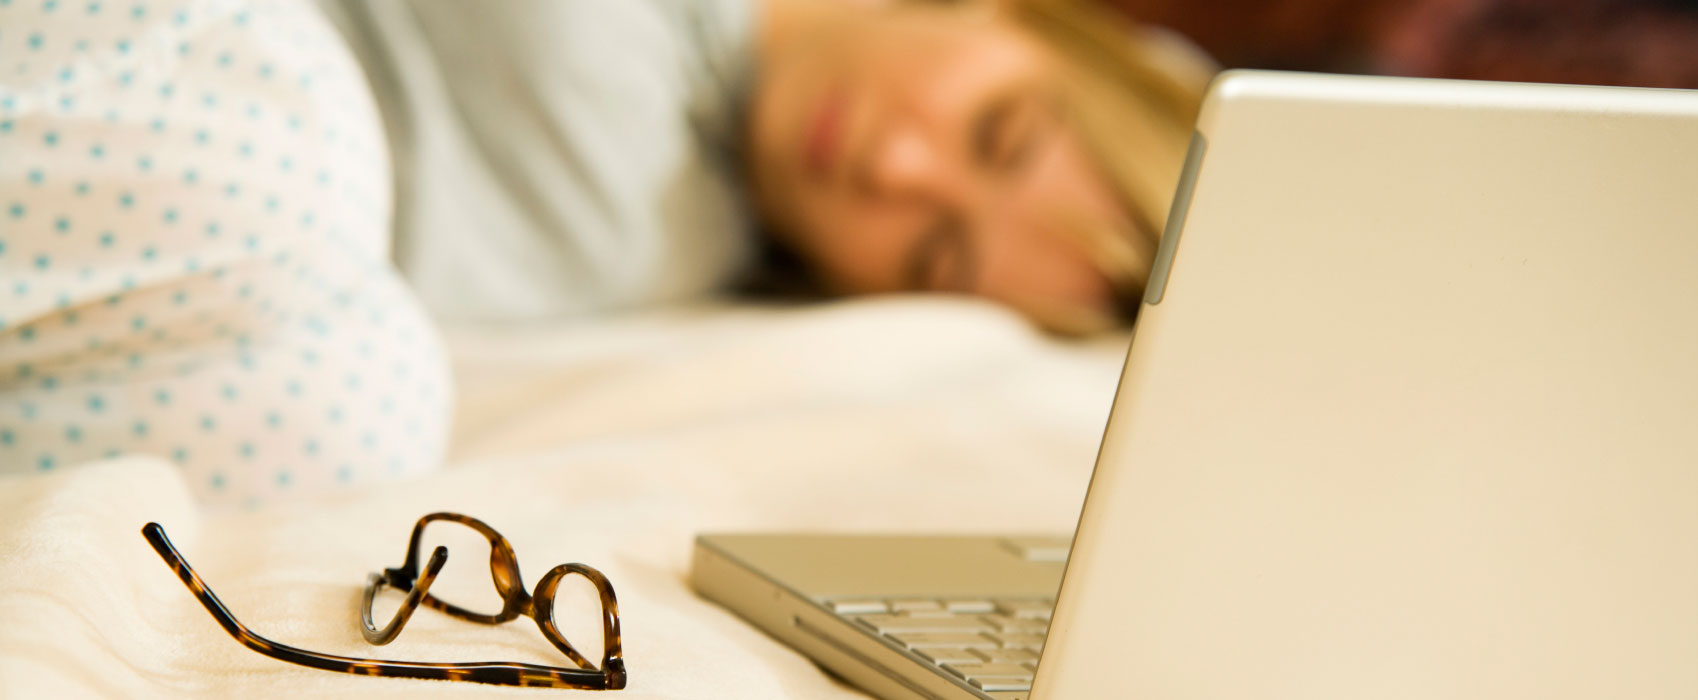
(903, 163)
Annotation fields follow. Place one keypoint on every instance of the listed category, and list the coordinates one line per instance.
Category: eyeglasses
(409, 579)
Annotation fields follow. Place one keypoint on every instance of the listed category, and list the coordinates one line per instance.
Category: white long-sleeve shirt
(194, 242)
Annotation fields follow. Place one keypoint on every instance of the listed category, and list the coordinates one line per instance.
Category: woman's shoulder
(591, 142)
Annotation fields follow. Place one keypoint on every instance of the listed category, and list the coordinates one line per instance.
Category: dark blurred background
(1648, 43)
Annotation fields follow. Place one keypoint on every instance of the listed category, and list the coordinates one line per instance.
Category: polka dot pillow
(194, 211)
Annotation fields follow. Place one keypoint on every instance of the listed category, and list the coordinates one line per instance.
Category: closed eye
(1008, 130)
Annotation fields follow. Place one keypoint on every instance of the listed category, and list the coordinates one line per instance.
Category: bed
(610, 442)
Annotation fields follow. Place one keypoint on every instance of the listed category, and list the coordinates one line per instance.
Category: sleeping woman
(197, 199)
(559, 157)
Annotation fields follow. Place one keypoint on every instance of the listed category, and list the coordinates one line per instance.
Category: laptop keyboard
(991, 644)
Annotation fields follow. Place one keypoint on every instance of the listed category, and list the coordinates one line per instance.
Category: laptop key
(970, 606)
(989, 683)
(857, 607)
(914, 605)
(971, 671)
(885, 624)
(919, 640)
(949, 655)
(1034, 642)
(1033, 609)
(1023, 625)
(1008, 695)
(1006, 656)
(1040, 549)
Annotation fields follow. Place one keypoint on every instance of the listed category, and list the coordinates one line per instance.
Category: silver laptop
(1411, 411)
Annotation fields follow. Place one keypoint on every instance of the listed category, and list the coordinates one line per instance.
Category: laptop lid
(1414, 411)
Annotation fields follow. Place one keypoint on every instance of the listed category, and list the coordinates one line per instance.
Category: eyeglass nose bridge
(542, 603)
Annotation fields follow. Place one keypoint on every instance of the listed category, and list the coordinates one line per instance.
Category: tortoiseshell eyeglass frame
(504, 569)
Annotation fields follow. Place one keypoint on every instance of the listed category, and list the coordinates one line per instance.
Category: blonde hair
(1132, 94)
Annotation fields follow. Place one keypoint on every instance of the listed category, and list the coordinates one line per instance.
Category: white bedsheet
(610, 443)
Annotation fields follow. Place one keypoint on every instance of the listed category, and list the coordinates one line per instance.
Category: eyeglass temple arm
(162, 545)
(415, 595)
(155, 535)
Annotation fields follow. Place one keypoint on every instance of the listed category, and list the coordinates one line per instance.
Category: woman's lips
(824, 135)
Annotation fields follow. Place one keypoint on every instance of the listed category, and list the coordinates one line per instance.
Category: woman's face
(912, 147)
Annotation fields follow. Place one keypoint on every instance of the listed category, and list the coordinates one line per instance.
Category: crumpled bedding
(610, 442)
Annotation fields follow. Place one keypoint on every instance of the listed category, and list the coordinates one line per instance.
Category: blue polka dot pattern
(194, 241)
